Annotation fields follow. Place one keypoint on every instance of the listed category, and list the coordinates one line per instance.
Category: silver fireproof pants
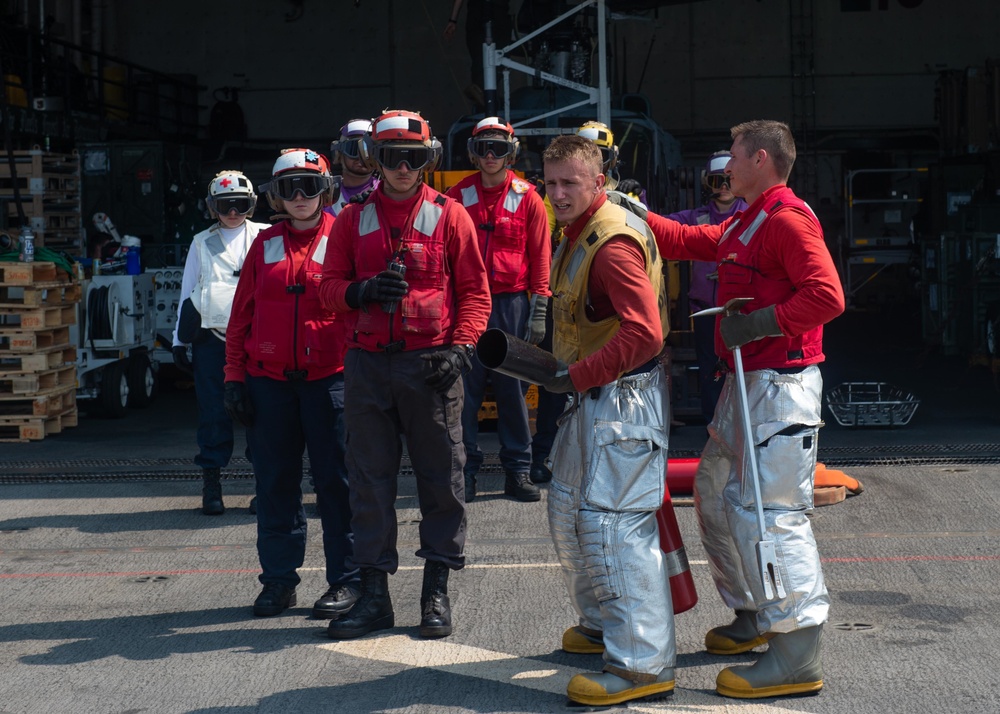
(785, 419)
(608, 465)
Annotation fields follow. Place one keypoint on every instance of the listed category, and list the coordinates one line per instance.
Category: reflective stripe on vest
(470, 196)
(425, 222)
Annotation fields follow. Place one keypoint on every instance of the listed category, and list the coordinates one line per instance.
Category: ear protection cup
(366, 152)
(331, 195)
(437, 152)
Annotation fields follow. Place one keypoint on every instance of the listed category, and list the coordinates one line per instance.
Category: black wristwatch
(470, 350)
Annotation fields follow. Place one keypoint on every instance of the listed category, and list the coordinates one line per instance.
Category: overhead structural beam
(496, 57)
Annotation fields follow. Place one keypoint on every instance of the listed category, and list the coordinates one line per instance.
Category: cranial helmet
(301, 171)
(714, 175)
(349, 143)
(601, 134)
(486, 139)
(231, 190)
(397, 137)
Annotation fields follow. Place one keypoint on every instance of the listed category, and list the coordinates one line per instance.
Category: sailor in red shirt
(403, 270)
(512, 228)
(773, 252)
(609, 455)
(284, 382)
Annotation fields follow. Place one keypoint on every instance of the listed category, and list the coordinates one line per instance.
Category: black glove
(739, 329)
(182, 361)
(361, 197)
(447, 365)
(386, 287)
(560, 383)
(630, 186)
(535, 330)
(238, 404)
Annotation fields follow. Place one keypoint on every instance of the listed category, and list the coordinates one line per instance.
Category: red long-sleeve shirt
(617, 285)
(795, 248)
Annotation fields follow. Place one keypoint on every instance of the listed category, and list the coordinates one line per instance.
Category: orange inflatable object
(830, 477)
(682, 590)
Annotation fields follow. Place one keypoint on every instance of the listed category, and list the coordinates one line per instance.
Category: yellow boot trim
(575, 641)
(721, 645)
(583, 690)
(730, 684)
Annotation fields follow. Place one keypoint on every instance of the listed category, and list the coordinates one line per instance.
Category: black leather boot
(211, 493)
(520, 487)
(372, 611)
(470, 488)
(435, 608)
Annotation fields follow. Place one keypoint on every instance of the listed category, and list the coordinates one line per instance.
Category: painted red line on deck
(910, 558)
(241, 571)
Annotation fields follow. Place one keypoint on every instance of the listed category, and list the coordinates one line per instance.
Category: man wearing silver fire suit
(773, 252)
(609, 455)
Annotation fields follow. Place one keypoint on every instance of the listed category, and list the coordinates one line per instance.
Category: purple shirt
(702, 292)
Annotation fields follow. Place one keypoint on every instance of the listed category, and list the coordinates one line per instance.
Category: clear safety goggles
(349, 148)
(391, 157)
(309, 185)
(717, 182)
(500, 148)
(240, 203)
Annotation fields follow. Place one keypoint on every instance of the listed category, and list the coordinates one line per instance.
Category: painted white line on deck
(491, 566)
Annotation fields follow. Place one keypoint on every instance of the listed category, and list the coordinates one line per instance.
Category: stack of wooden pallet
(37, 358)
(49, 187)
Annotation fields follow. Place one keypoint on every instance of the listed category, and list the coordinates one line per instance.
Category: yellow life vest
(577, 337)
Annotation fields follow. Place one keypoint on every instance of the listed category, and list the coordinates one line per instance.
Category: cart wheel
(141, 381)
(114, 390)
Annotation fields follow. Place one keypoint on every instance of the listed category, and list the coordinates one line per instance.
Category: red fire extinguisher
(682, 590)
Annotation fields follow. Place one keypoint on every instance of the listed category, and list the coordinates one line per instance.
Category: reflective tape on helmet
(717, 163)
(356, 127)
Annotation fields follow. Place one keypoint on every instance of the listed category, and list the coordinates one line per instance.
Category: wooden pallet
(40, 204)
(46, 404)
(36, 162)
(37, 318)
(28, 384)
(24, 429)
(17, 340)
(39, 185)
(57, 221)
(28, 273)
(12, 362)
(40, 295)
